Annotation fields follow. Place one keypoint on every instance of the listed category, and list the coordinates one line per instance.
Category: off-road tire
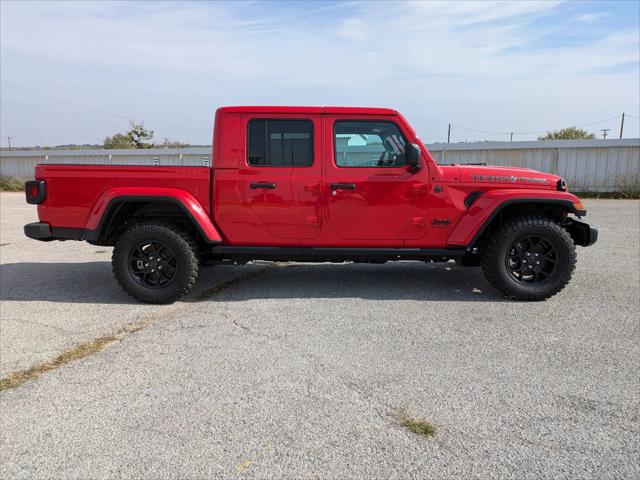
(186, 255)
(500, 241)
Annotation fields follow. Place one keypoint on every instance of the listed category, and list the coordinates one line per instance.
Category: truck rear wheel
(155, 262)
(529, 258)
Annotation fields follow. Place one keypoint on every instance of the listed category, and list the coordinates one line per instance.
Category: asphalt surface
(295, 371)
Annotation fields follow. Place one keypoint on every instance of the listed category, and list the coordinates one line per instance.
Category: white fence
(587, 165)
(21, 163)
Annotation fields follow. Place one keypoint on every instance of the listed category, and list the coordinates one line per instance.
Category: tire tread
(510, 227)
(162, 228)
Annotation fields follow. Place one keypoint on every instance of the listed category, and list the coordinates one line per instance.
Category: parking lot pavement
(58, 294)
(297, 371)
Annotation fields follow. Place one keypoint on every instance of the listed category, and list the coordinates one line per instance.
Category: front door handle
(270, 186)
(343, 186)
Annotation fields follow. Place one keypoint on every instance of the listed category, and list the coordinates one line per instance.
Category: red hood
(511, 176)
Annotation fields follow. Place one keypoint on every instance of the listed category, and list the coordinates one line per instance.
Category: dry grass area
(98, 344)
(12, 184)
(230, 284)
(631, 194)
(414, 424)
(76, 353)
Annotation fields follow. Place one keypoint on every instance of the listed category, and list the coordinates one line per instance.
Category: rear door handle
(343, 186)
(270, 186)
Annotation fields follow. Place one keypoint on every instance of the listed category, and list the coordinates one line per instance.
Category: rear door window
(280, 143)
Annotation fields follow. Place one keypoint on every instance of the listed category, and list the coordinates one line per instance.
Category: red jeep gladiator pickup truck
(325, 184)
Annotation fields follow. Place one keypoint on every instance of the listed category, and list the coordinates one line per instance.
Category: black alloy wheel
(153, 264)
(156, 262)
(531, 259)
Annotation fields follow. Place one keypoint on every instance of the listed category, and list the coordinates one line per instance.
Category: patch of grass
(80, 351)
(98, 344)
(414, 424)
(18, 378)
(228, 284)
(12, 184)
(625, 195)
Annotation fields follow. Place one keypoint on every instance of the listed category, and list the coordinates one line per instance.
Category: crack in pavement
(45, 325)
(78, 352)
(98, 344)
(383, 408)
(386, 412)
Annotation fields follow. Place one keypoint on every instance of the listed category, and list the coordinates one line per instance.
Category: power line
(95, 110)
(534, 133)
(478, 131)
(599, 121)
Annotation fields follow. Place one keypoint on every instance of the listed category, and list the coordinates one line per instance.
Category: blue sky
(490, 66)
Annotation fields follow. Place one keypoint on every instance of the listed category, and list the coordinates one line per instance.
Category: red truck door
(372, 197)
(279, 178)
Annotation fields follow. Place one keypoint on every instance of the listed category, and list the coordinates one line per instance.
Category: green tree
(136, 137)
(570, 133)
(173, 144)
(140, 137)
(119, 140)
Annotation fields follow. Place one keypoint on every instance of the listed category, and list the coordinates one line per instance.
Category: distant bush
(12, 184)
(136, 137)
(571, 133)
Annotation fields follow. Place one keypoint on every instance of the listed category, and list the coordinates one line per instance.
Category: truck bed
(74, 192)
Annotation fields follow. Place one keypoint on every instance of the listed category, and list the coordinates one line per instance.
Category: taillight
(35, 190)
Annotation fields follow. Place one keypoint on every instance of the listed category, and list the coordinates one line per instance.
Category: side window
(368, 144)
(280, 143)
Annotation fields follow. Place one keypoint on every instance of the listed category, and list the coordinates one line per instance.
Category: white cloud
(480, 64)
(589, 17)
(353, 29)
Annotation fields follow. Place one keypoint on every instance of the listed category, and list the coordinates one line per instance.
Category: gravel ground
(297, 371)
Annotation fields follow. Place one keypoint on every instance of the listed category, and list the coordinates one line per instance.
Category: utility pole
(621, 124)
(449, 134)
(511, 137)
(9, 142)
(604, 132)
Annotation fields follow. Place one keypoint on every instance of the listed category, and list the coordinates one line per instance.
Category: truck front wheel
(529, 258)
(155, 262)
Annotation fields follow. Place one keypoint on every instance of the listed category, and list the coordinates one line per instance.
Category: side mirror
(412, 157)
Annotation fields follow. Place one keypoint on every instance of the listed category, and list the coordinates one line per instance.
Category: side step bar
(333, 253)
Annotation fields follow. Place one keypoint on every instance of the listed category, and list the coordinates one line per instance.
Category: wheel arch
(174, 206)
(491, 210)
